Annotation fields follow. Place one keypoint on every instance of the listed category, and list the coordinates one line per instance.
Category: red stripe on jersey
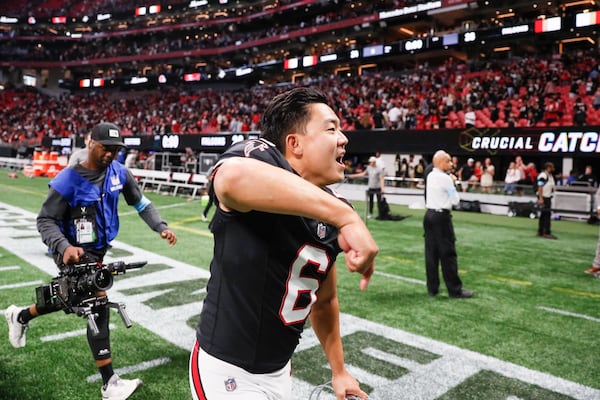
(198, 390)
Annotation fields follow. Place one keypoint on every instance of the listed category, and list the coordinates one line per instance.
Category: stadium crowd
(216, 34)
(76, 8)
(262, 33)
(263, 30)
(530, 91)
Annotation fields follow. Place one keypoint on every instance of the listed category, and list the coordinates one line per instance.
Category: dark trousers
(371, 193)
(545, 214)
(208, 206)
(440, 248)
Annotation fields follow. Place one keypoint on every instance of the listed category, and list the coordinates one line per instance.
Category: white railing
(172, 182)
(14, 163)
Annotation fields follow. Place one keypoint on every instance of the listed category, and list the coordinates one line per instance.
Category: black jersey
(265, 274)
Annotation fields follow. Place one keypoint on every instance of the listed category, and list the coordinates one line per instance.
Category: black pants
(208, 206)
(371, 193)
(440, 248)
(545, 214)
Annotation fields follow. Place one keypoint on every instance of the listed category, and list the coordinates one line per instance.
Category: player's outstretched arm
(245, 184)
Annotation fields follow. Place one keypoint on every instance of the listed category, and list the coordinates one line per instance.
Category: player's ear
(293, 144)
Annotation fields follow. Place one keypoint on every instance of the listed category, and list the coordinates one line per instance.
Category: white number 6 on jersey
(297, 284)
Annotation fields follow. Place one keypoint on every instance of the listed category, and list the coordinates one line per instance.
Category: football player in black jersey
(277, 231)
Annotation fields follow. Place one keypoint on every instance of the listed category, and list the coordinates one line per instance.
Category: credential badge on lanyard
(84, 228)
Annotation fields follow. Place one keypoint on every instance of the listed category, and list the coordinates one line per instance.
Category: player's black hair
(288, 112)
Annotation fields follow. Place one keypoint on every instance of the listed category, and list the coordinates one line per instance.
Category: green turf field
(531, 329)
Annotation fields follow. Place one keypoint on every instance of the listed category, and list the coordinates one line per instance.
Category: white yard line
(9, 268)
(569, 313)
(133, 368)
(21, 284)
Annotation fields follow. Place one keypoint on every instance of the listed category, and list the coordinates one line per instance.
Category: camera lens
(102, 279)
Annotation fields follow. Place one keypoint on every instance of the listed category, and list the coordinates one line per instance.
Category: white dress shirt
(441, 192)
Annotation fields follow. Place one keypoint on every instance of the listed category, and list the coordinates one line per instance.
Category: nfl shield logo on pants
(230, 385)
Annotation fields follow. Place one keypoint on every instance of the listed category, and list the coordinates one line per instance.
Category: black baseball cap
(107, 134)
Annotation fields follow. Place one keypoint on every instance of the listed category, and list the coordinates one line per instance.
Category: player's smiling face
(319, 156)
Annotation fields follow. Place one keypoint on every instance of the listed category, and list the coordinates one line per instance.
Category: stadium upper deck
(277, 40)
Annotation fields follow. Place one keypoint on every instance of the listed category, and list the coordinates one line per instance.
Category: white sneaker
(204, 218)
(119, 389)
(16, 330)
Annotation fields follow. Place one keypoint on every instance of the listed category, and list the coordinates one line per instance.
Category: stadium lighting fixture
(296, 76)
(573, 40)
(341, 69)
(579, 3)
(506, 15)
(365, 66)
(499, 49)
(407, 31)
(579, 39)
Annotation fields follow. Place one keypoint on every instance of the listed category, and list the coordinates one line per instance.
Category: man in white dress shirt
(440, 196)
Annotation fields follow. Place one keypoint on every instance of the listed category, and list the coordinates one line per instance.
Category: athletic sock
(106, 372)
(25, 316)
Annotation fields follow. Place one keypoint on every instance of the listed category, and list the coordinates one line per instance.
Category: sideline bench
(187, 180)
(14, 163)
(171, 182)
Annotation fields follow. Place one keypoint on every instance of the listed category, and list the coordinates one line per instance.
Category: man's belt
(439, 210)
